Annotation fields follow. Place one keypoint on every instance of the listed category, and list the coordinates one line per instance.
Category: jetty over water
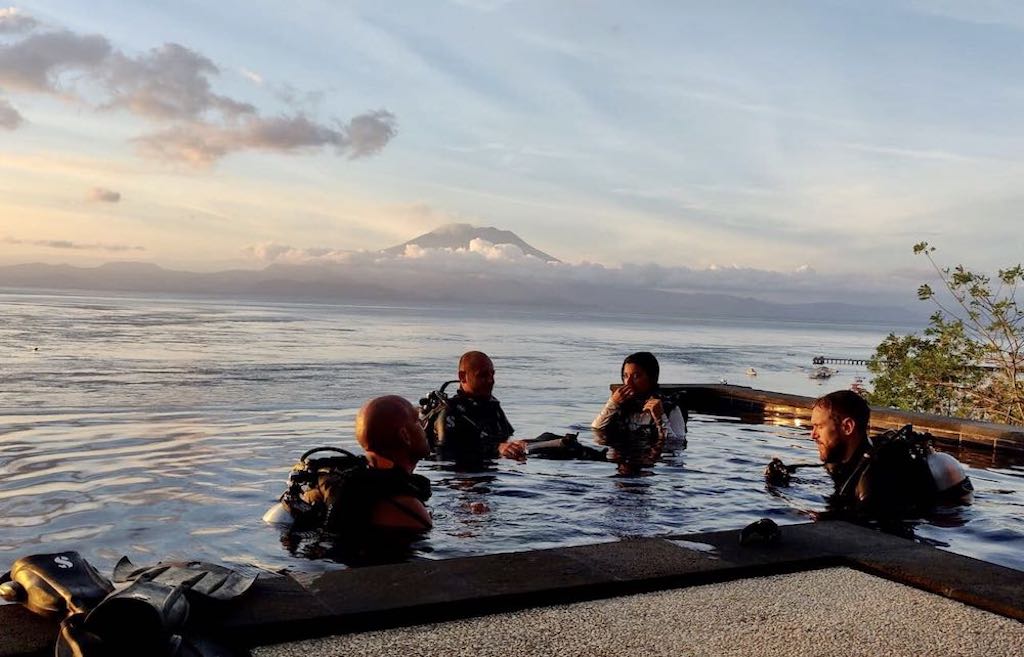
(828, 360)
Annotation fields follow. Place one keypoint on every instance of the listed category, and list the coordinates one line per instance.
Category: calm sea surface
(162, 428)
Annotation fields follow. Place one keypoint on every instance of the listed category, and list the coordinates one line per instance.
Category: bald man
(385, 494)
(472, 427)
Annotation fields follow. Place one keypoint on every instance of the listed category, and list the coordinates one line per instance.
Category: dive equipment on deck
(146, 617)
(54, 585)
(215, 582)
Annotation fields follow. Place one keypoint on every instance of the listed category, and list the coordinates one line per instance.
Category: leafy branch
(970, 359)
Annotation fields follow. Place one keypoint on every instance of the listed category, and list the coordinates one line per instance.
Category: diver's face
(415, 436)
(477, 379)
(636, 378)
(834, 438)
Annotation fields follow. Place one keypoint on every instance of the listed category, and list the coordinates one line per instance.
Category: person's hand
(513, 449)
(655, 408)
(622, 394)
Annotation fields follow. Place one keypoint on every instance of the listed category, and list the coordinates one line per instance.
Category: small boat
(822, 373)
(751, 371)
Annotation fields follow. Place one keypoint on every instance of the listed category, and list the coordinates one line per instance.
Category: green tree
(970, 360)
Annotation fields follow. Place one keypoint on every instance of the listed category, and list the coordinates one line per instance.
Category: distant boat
(751, 371)
(822, 373)
(858, 385)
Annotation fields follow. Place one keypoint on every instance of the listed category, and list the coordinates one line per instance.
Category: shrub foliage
(969, 362)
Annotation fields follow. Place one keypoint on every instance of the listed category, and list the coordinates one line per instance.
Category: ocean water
(164, 428)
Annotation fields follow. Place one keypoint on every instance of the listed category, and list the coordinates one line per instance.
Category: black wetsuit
(352, 495)
(888, 480)
(469, 429)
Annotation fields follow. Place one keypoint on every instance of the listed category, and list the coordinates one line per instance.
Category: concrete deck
(836, 611)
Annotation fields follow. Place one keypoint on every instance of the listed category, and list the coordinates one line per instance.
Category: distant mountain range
(458, 236)
(346, 283)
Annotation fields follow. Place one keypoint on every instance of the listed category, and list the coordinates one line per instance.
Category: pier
(827, 360)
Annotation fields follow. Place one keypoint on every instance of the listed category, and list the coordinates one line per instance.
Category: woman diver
(638, 406)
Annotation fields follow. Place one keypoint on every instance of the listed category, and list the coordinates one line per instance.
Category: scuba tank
(430, 407)
(946, 471)
(54, 585)
(292, 506)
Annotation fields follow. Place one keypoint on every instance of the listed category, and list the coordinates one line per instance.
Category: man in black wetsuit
(383, 493)
(472, 427)
(880, 478)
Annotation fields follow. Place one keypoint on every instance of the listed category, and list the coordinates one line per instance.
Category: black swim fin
(216, 582)
(144, 618)
(54, 585)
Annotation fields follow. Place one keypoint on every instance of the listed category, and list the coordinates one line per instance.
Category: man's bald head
(476, 374)
(389, 426)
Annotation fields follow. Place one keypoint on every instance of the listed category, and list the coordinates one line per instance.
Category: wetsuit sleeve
(509, 429)
(606, 416)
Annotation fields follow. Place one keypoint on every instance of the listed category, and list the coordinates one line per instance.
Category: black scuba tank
(54, 585)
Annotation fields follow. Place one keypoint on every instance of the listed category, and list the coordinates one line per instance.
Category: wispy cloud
(10, 118)
(74, 246)
(35, 63)
(167, 83)
(172, 85)
(13, 21)
(201, 144)
(104, 195)
(922, 154)
(251, 76)
(979, 12)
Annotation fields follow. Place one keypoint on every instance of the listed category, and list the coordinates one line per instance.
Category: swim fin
(216, 582)
(56, 584)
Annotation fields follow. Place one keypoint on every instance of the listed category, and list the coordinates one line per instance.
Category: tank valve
(12, 592)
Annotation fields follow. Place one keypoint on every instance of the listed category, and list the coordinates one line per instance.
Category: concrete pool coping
(758, 405)
(285, 608)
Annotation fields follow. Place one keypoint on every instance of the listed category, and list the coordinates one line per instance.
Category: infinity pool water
(165, 428)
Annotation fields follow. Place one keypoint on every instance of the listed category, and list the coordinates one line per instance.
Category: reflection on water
(164, 429)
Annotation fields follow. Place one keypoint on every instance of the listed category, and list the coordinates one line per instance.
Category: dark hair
(843, 404)
(646, 361)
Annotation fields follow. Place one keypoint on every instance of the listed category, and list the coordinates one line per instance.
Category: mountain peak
(458, 236)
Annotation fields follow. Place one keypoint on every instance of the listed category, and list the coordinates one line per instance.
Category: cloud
(35, 63)
(369, 133)
(104, 195)
(201, 144)
(171, 85)
(169, 82)
(10, 118)
(13, 20)
(251, 76)
(76, 246)
(508, 262)
(273, 252)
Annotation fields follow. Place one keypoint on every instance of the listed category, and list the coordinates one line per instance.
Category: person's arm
(404, 512)
(508, 448)
(513, 449)
(607, 415)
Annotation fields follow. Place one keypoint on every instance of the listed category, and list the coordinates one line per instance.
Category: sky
(793, 139)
